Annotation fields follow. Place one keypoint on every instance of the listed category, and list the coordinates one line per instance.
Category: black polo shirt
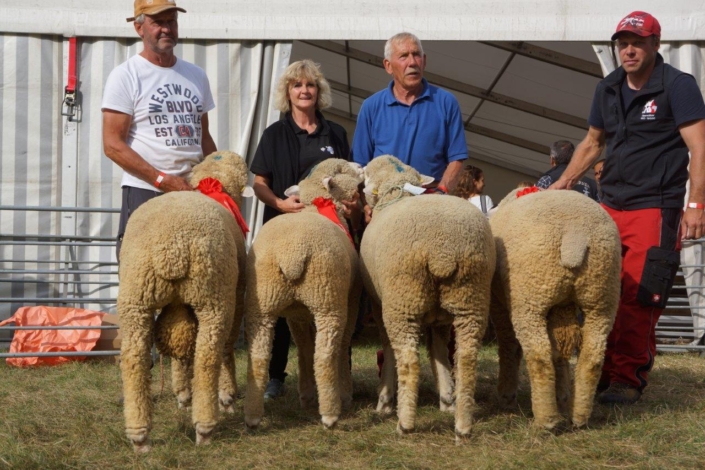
(314, 147)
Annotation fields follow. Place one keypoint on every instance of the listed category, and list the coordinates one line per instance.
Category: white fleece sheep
(303, 267)
(556, 250)
(426, 261)
(184, 254)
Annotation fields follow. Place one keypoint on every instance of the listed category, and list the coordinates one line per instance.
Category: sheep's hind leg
(227, 384)
(260, 335)
(212, 333)
(438, 339)
(388, 378)
(469, 329)
(531, 330)
(587, 372)
(135, 362)
(304, 337)
(405, 341)
(509, 351)
(181, 376)
(329, 329)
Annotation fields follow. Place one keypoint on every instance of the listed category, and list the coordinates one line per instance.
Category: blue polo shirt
(427, 135)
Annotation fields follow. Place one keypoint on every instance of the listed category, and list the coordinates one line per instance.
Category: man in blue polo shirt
(416, 122)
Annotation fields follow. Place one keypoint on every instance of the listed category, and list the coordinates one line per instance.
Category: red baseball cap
(639, 23)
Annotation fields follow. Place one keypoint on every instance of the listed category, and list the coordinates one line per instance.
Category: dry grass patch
(70, 417)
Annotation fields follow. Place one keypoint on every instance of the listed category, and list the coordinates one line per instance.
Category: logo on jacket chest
(649, 111)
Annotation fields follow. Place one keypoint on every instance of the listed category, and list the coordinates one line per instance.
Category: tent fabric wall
(688, 57)
(32, 134)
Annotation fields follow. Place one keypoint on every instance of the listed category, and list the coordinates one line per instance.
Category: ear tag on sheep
(369, 190)
(426, 180)
(292, 191)
(247, 191)
(415, 190)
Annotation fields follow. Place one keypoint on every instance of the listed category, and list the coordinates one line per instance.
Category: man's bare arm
(207, 143)
(588, 151)
(693, 223)
(116, 127)
(451, 175)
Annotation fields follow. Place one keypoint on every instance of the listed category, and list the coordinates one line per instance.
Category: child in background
(470, 187)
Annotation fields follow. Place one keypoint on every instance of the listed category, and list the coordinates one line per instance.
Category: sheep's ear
(358, 169)
(292, 191)
(415, 190)
(326, 183)
(426, 180)
(247, 191)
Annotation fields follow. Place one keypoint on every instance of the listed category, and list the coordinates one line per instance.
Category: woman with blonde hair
(287, 151)
(470, 187)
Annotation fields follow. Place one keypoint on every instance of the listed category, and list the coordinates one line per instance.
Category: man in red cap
(646, 116)
(155, 112)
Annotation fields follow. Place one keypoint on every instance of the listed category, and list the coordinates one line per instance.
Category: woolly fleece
(183, 253)
(304, 267)
(556, 251)
(426, 261)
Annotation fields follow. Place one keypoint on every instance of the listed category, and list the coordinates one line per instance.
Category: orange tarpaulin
(52, 340)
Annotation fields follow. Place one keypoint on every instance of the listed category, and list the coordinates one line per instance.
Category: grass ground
(70, 417)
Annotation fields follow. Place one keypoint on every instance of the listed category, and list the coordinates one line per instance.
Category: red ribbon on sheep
(525, 191)
(213, 188)
(326, 208)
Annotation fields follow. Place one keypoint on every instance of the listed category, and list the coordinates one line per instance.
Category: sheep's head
(227, 167)
(387, 178)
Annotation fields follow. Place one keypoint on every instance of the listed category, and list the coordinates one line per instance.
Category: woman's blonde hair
(299, 70)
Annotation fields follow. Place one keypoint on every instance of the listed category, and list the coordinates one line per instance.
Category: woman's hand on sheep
(174, 183)
(289, 205)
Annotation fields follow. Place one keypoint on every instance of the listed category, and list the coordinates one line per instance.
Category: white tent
(524, 73)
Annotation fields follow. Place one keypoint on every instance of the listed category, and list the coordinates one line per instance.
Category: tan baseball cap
(153, 7)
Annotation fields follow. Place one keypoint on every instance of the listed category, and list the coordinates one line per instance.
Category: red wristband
(695, 205)
(159, 179)
(442, 189)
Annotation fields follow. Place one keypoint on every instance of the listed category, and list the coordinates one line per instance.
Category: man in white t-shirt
(155, 121)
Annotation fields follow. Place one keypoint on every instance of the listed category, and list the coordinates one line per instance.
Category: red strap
(327, 209)
(72, 78)
(213, 188)
(529, 190)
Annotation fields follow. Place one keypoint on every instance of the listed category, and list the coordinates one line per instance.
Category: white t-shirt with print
(166, 104)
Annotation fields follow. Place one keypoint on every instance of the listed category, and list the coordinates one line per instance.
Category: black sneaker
(619, 394)
(275, 389)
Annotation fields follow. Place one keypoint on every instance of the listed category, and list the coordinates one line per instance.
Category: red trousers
(631, 345)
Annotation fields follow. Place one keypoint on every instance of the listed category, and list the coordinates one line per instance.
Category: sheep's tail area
(171, 258)
(442, 260)
(293, 262)
(574, 246)
(564, 329)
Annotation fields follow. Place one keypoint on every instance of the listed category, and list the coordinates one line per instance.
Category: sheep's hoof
(329, 421)
(461, 436)
(549, 423)
(252, 423)
(385, 405)
(225, 403)
(203, 439)
(508, 402)
(579, 422)
(401, 430)
(307, 403)
(448, 404)
(142, 448)
(183, 400)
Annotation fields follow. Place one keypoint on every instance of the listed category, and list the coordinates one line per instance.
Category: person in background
(525, 184)
(561, 154)
(287, 151)
(145, 99)
(470, 187)
(646, 116)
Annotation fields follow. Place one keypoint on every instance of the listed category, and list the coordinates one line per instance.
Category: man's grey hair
(140, 19)
(562, 151)
(399, 38)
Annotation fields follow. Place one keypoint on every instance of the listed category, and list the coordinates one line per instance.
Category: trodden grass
(70, 417)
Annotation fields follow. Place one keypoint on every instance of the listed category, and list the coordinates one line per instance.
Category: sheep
(304, 267)
(184, 254)
(556, 250)
(426, 261)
